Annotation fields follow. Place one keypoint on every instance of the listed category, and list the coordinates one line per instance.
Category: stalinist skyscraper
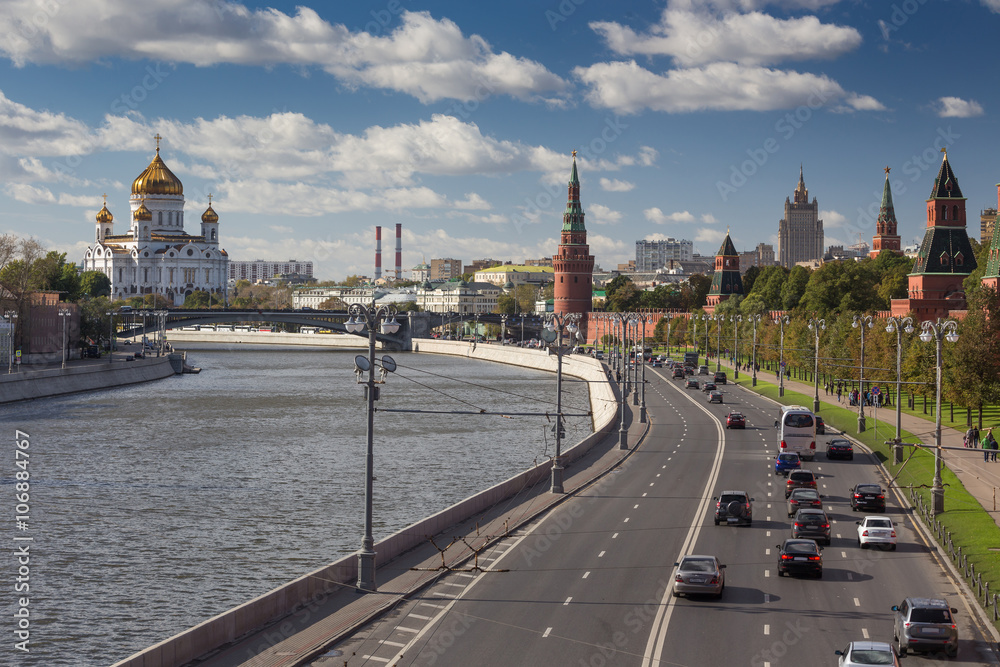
(800, 232)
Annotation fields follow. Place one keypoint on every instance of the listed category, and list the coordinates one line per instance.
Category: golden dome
(157, 179)
(142, 213)
(209, 215)
(104, 215)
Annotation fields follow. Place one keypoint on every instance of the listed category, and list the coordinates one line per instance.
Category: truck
(691, 359)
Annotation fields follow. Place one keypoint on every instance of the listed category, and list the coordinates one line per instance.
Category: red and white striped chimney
(399, 251)
(378, 253)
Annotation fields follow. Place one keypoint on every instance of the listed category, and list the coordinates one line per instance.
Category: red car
(736, 420)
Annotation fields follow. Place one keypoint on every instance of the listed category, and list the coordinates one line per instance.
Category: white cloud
(599, 214)
(615, 185)
(30, 194)
(710, 236)
(27, 131)
(956, 107)
(700, 37)
(628, 88)
(992, 5)
(708, 219)
(427, 58)
(659, 217)
(832, 219)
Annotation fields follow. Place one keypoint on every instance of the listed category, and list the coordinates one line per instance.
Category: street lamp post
(898, 325)
(938, 331)
(860, 321)
(503, 329)
(370, 316)
(64, 314)
(642, 319)
(753, 352)
(706, 317)
(816, 326)
(619, 321)
(781, 321)
(638, 345)
(555, 325)
(718, 342)
(111, 335)
(736, 320)
(670, 322)
(11, 317)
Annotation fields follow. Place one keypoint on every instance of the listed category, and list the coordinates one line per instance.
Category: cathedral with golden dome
(157, 256)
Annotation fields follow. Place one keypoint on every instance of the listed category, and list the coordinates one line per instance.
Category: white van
(797, 431)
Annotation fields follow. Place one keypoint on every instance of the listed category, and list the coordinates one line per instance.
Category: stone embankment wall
(278, 603)
(177, 338)
(57, 381)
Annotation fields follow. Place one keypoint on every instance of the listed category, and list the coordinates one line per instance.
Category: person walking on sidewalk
(991, 443)
(975, 436)
(967, 440)
(840, 390)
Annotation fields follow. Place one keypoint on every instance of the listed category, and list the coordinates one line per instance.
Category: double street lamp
(362, 316)
(816, 326)
(781, 321)
(618, 319)
(64, 314)
(753, 353)
(706, 318)
(718, 342)
(736, 320)
(641, 319)
(898, 325)
(860, 322)
(938, 331)
(555, 325)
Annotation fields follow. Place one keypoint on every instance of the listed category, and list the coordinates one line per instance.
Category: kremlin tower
(992, 276)
(726, 281)
(886, 237)
(573, 265)
(945, 257)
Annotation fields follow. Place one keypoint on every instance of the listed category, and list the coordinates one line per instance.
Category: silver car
(699, 575)
(925, 625)
(867, 653)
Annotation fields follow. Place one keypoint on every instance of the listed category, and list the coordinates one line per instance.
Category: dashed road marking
(568, 600)
(546, 633)
(586, 575)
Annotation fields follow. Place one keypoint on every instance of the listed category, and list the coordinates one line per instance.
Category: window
(954, 212)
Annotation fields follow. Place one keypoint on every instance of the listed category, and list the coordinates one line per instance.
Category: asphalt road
(589, 584)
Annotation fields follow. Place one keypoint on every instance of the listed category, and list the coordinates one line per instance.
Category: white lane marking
(767, 573)
(466, 575)
(448, 583)
(431, 604)
(446, 595)
(768, 534)
(843, 554)
(769, 506)
(601, 555)
(768, 518)
(376, 658)
(614, 536)
(400, 628)
(767, 629)
(644, 495)
(663, 466)
(767, 597)
(419, 617)
(767, 552)
(635, 507)
(568, 600)
(850, 576)
(626, 519)
(586, 574)
(546, 633)
(864, 632)
(857, 602)
(657, 474)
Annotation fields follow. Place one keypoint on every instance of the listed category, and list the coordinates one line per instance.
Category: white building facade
(156, 255)
(262, 269)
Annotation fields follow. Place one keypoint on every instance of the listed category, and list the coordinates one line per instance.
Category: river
(157, 506)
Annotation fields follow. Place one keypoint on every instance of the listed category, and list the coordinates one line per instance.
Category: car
(839, 448)
(877, 529)
(699, 575)
(867, 653)
(797, 556)
(925, 625)
(785, 462)
(812, 523)
(867, 497)
(688, 370)
(804, 499)
(720, 377)
(820, 426)
(702, 370)
(799, 479)
(656, 363)
(734, 507)
(708, 386)
(662, 357)
(715, 397)
(678, 373)
(736, 420)
(691, 383)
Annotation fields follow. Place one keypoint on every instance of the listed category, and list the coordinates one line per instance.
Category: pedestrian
(839, 392)
(992, 444)
(967, 440)
(975, 436)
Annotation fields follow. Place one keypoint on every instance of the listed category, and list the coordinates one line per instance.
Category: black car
(867, 497)
(734, 508)
(800, 557)
(840, 449)
(720, 377)
(708, 386)
(820, 426)
(812, 523)
(678, 372)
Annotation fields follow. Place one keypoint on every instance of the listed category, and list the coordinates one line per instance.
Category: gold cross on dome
(157, 137)
(105, 198)
(209, 199)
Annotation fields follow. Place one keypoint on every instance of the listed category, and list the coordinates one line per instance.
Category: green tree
(353, 281)
(94, 284)
(199, 299)
(700, 285)
(621, 295)
(794, 287)
(506, 305)
(750, 277)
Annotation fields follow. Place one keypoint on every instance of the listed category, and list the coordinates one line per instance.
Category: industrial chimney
(399, 251)
(378, 253)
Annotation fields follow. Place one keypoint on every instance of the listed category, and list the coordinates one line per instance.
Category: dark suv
(926, 625)
(799, 479)
(867, 497)
(720, 377)
(734, 507)
(812, 523)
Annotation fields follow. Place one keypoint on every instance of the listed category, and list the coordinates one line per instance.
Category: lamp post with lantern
(555, 325)
(938, 331)
(899, 325)
(64, 315)
(362, 316)
(11, 317)
(860, 322)
(781, 321)
(816, 326)
(753, 352)
(736, 320)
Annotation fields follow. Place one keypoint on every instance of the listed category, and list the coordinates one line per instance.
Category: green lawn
(971, 527)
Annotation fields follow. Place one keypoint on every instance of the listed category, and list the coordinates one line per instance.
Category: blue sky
(313, 123)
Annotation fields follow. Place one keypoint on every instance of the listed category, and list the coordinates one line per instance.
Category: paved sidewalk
(981, 479)
(303, 635)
